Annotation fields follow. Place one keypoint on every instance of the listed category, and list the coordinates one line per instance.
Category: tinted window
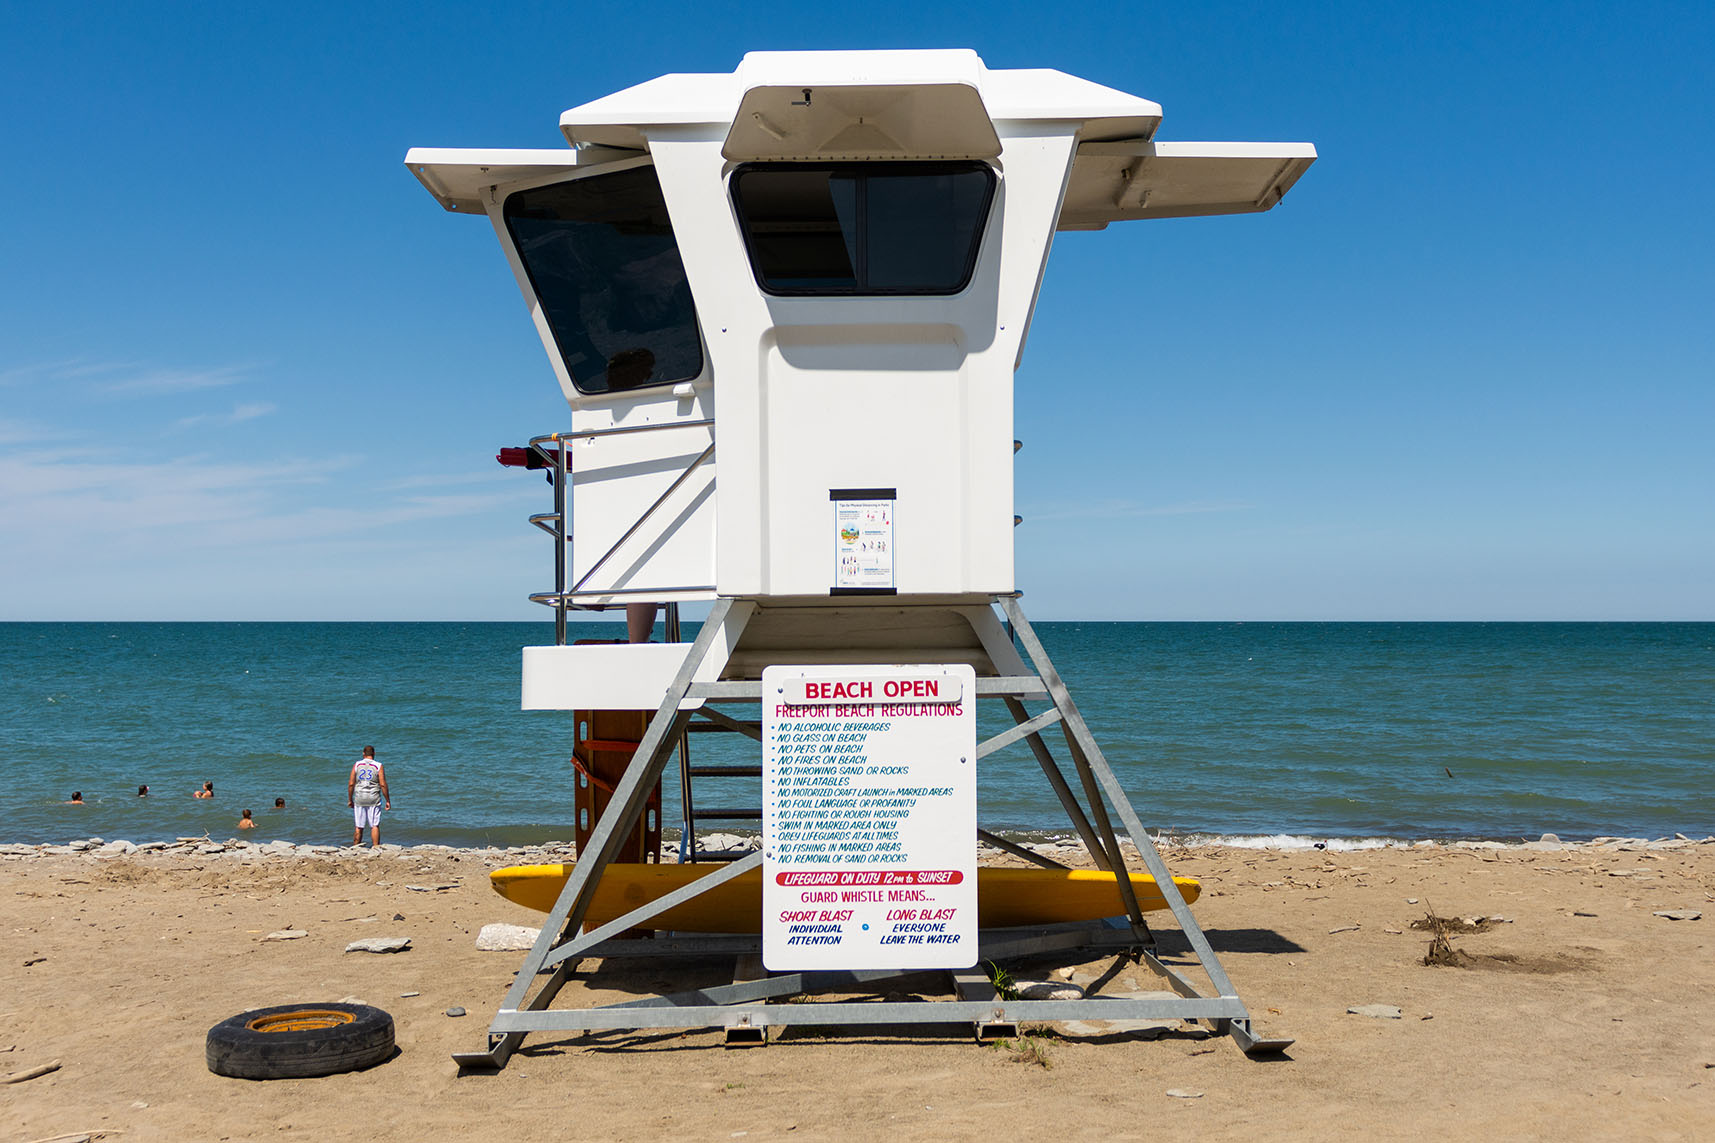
(863, 228)
(601, 256)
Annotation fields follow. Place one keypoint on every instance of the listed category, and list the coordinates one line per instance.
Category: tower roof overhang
(892, 105)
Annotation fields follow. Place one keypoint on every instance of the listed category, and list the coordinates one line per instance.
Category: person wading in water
(366, 794)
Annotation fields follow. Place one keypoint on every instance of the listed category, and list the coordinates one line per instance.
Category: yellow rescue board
(1005, 897)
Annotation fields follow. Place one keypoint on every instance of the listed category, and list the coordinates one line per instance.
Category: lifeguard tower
(785, 306)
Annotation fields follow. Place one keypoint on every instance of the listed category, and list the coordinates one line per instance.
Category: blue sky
(250, 370)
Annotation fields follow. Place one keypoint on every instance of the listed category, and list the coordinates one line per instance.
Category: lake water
(1237, 730)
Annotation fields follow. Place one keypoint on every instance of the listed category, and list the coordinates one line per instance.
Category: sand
(1580, 1015)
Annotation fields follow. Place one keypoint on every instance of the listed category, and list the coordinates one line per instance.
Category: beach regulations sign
(869, 817)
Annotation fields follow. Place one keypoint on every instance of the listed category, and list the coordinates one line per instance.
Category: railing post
(688, 827)
(560, 544)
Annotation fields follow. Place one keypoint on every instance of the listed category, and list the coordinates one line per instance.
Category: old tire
(292, 1041)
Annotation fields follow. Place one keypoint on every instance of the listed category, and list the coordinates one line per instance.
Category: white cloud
(59, 370)
(61, 501)
(462, 479)
(14, 432)
(155, 381)
(80, 368)
(74, 490)
(1131, 509)
(125, 378)
(239, 414)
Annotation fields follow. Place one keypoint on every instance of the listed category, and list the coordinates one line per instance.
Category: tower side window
(863, 228)
(602, 260)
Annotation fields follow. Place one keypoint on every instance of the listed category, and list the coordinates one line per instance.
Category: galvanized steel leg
(721, 630)
(1078, 732)
(1007, 661)
(1099, 840)
(1104, 827)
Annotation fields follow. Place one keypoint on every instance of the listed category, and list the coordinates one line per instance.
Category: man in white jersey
(366, 793)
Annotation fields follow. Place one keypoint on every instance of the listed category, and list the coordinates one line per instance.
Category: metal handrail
(558, 531)
(554, 523)
(619, 430)
(551, 598)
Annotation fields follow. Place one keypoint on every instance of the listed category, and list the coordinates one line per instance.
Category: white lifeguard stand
(827, 263)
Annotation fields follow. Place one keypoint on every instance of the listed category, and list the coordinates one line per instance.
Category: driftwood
(31, 1073)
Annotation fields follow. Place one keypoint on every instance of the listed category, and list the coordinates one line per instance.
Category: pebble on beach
(379, 945)
(1375, 1011)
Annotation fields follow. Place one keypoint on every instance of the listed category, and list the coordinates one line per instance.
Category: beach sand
(1558, 1024)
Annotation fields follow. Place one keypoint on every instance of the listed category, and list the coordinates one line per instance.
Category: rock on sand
(379, 945)
(506, 938)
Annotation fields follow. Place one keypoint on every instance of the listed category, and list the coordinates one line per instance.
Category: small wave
(1289, 841)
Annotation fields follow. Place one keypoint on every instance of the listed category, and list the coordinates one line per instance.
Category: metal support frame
(1112, 935)
(742, 1007)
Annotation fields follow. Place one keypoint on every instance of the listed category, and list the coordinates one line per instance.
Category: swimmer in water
(207, 791)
